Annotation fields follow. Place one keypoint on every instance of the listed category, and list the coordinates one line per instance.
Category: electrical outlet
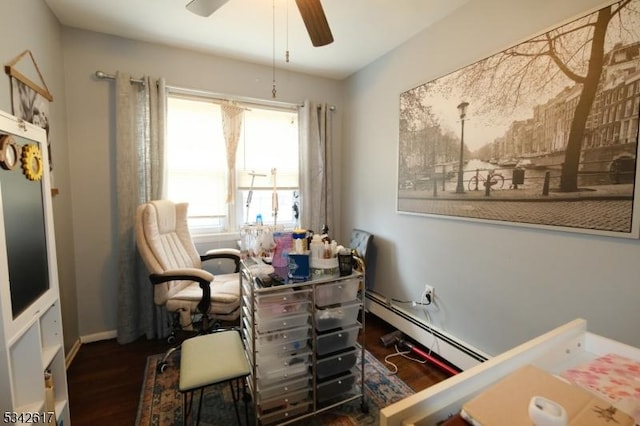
(429, 294)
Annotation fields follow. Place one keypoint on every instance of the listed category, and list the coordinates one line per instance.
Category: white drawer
(276, 360)
(264, 325)
(281, 401)
(336, 317)
(338, 292)
(283, 296)
(288, 413)
(270, 377)
(282, 388)
(272, 310)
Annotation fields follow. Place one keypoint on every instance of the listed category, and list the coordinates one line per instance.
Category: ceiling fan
(311, 11)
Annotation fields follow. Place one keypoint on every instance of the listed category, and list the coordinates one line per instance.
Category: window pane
(196, 165)
(261, 204)
(270, 140)
(197, 169)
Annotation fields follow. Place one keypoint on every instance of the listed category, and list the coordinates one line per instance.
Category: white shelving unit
(31, 341)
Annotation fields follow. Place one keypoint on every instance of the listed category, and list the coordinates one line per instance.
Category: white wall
(91, 140)
(497, 285)
(29, 24)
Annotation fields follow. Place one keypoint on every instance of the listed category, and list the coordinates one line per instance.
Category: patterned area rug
(161, 402)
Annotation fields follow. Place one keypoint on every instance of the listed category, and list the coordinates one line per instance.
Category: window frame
(234, 212)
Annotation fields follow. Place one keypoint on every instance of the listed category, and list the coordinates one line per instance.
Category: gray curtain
(316, 147)
(140, 176)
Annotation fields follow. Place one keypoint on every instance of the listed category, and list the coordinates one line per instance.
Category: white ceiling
(363, 30)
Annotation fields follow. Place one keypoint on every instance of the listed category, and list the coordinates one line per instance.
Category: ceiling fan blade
(316, 22)
(205, 7)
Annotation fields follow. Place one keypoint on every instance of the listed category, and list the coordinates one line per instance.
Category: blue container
(299, 268)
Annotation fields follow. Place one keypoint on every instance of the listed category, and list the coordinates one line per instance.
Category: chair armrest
(202, 277)
(191, 274)
(223, 253)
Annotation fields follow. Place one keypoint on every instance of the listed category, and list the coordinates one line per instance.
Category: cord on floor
(403, 354)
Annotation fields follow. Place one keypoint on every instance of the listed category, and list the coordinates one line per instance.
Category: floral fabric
(613, 377)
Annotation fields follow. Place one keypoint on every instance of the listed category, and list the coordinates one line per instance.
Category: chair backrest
(164, 243)
(362, 241)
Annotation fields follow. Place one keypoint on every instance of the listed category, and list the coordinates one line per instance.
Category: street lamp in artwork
(462, 109)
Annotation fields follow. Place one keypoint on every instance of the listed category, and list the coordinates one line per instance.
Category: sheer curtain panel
(231, 126)
(140, 132)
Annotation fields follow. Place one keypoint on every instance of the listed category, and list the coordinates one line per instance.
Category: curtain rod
(223, 97)
(104, 76)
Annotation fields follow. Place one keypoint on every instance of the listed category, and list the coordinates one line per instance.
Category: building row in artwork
(612, 121)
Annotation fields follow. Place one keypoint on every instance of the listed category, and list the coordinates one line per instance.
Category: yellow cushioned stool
(211, 359)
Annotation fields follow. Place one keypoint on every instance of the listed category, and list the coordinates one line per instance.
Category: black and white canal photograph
(542, 134)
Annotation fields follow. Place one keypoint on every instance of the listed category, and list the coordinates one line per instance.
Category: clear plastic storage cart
(301, 340)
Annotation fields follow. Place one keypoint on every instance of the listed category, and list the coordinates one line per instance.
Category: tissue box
(299, 268)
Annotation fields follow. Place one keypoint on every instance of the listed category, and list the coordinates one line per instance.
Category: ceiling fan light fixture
(204, 8)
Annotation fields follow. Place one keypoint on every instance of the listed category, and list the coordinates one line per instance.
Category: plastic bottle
(316, 247)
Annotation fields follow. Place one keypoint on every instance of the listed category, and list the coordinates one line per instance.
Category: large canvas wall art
(542, 134)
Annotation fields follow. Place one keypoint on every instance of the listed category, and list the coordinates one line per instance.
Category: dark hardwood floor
(105, 378)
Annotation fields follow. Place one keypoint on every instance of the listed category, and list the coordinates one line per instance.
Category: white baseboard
(455, 351)
(96, 337)
(71, 354)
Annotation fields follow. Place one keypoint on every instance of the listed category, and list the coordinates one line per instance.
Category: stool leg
(235, 400)
(200, 406)
(245, 397)
(186, 407)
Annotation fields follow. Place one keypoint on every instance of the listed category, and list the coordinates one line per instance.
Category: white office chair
(175, 269)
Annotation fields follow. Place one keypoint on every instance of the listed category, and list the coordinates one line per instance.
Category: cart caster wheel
(364, 407)
(171, 339)
(161, 367)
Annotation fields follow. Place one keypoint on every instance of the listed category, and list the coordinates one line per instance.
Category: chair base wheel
(161, 367)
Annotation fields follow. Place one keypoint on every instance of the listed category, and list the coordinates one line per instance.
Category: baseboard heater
(454, 351)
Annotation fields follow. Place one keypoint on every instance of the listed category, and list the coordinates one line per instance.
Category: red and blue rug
(161, 403)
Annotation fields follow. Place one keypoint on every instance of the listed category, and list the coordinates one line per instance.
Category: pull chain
(287, 52)
(273, 90)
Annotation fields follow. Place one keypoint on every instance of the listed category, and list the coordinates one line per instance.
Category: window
(197, 167)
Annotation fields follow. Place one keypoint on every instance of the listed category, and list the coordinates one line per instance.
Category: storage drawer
(270, 377)
(336, 317)
(336, 364)
(264, 325)
(280, 338)
(290, 412)
(339, 292)
(283, 296)
(283, 401)
(271, 360)
(282, 388)
(336, 387)
(281, 349)
(272, 310)
(337, 340)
